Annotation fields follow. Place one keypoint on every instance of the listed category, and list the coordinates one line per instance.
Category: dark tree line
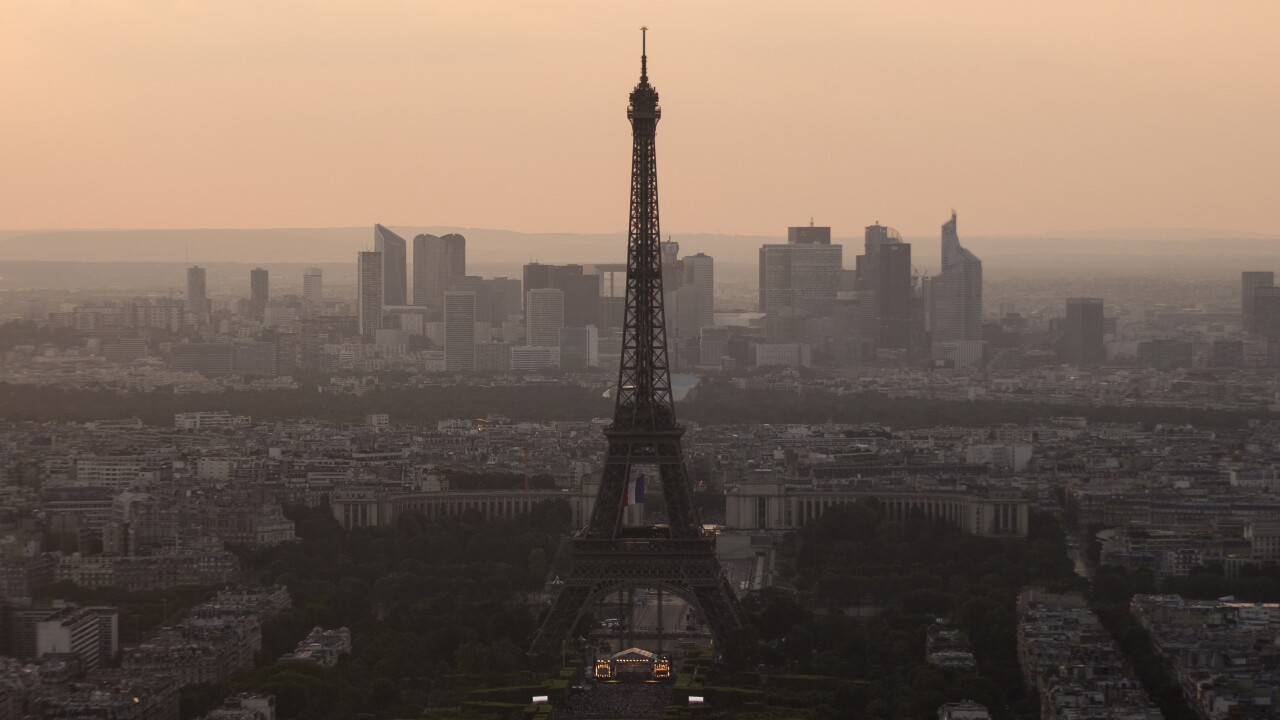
(28, 332)
(715, 403)
(1109, 596)
(719, 403)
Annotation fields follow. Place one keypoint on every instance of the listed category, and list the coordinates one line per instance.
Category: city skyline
(519, 476)
(1063, 111)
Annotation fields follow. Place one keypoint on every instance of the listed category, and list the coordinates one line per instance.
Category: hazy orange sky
(1024, 116)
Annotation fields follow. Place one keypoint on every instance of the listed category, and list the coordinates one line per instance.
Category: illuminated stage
(633, 665)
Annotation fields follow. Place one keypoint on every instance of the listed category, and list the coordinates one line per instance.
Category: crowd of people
(617, 700)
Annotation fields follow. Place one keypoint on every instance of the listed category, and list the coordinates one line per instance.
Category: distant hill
(1106, 252)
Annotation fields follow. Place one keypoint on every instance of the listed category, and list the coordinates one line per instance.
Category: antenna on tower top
(644, 53)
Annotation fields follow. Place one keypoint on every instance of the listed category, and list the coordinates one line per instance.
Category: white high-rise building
(699, 274)
(369, 292)
(460, 331)
(544, 316)
(531, 357)
(802, 276)
(93, 634)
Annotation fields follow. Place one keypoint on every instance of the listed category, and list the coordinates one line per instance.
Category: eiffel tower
(678, 557)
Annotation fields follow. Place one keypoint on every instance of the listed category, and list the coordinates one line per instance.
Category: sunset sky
(1024, 116)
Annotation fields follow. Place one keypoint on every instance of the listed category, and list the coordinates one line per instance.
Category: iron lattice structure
(608, 557)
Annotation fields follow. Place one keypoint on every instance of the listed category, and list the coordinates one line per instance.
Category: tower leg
(560, 623)
(659, 621)
(629, 637)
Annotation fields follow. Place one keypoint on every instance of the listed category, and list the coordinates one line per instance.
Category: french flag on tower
(635, 492)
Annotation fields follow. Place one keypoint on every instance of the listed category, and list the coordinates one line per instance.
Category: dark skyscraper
(395, 281)
(197, 296)
(955, 299)
(1249, 282)
(435, 261)
(477, 286)
(505, 299)
(460, 331)
(313, 287)
(369, 292)
(895, 296)
(259, 293)
(885, 270)
(809, 235)
(1082, 332)
(537, 276)
(611, 312)
(581, 291)
(1266, 317)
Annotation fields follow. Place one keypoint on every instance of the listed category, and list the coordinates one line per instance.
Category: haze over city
(587, 361)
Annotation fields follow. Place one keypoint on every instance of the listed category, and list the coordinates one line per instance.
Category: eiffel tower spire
(644, 418)
(644, 379)
(607, 555)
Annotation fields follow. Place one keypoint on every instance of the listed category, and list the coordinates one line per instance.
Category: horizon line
(19, 232)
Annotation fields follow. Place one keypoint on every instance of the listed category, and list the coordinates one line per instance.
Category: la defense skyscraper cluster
(881, 309)
(439, 266)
